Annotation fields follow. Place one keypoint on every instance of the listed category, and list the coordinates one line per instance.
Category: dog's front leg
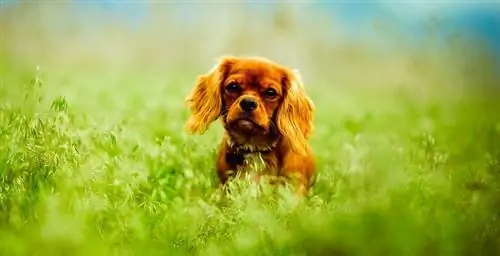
(227, 163)
(299, 170)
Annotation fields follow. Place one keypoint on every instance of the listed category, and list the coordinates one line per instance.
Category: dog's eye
(233, 87)
(270, 93)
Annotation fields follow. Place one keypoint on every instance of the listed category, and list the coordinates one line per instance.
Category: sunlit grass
(419, 180)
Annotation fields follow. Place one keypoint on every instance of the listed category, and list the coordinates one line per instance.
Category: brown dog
(266, 115)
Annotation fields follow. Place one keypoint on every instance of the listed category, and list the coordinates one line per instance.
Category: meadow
(94, 158)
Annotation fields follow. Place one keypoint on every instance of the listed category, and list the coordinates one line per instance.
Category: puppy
(266, 115)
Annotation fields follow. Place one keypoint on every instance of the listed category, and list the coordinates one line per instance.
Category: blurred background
(337, 41)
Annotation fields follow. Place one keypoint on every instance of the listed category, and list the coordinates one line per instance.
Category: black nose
(248, 104)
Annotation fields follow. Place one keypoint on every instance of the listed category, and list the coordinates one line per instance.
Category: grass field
(94, 159)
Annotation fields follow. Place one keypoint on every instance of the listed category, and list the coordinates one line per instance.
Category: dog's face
(251, 94)
(256, 98)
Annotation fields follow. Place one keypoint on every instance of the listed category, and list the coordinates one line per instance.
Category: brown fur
(276, 131)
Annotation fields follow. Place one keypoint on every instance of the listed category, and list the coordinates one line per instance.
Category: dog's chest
(253, 162)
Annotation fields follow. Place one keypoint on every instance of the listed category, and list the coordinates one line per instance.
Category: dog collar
(250, 148)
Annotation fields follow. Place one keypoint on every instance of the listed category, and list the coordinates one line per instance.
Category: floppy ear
(204, 101)
(295, 115)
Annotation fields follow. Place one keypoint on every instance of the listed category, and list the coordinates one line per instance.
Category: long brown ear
(204, 101)
(295, 116)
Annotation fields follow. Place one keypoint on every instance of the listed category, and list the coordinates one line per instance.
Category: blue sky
(474, 17)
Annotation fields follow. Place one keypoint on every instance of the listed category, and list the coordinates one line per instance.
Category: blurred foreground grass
(94, 160)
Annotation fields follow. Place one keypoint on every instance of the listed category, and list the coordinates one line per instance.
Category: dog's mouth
(246, 125)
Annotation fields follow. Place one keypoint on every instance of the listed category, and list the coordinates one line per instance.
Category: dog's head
(258, 99)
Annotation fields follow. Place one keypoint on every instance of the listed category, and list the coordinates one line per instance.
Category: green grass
(420, 179)
(91, 163)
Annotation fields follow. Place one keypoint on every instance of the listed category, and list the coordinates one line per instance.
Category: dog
(267, 117)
